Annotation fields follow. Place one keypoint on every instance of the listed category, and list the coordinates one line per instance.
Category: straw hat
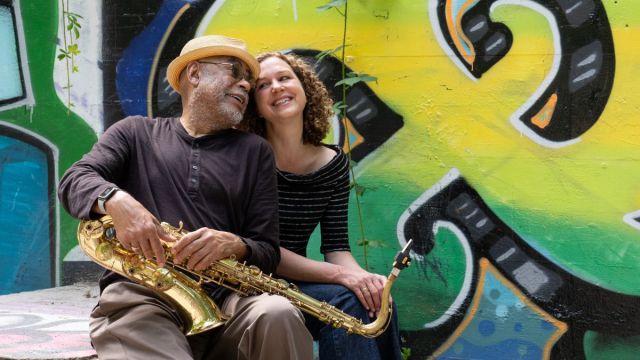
(206, 46)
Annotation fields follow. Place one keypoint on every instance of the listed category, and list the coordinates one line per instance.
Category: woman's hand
(367, 286)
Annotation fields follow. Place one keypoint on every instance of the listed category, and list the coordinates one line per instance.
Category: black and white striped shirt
(318, 197)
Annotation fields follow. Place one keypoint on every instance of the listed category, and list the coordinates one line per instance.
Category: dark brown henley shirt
(224, 181)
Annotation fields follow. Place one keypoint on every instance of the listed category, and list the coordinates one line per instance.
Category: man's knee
(278, 308)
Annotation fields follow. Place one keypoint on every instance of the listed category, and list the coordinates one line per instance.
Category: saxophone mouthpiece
(403, 258)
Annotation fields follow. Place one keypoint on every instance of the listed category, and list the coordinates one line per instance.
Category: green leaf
(73, 49)
(325, 53)
(367, 77)
(76, 32)
(337, 107)
(347, 82)
(61, 56)
(372, 243)
(332, 4)
(73, 14)
(354, 78)
(406, 353)
(360, 189)
(75, 69)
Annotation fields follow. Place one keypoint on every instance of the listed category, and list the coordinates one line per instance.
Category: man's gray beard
(208, 109)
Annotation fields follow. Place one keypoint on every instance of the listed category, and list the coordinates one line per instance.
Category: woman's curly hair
(317, 112)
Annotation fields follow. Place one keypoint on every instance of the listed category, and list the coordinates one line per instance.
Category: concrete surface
(47, 324)
(50, 324)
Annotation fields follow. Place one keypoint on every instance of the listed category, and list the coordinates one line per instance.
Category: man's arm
(104, 167)
(98, 170)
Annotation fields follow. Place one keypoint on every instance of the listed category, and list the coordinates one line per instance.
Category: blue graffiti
(135, 67)
(12, 86)
(25, 246)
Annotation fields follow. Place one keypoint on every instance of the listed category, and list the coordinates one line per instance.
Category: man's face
(222, 93)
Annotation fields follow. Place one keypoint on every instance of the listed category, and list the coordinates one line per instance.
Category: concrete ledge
(47, 324)
(50, 324)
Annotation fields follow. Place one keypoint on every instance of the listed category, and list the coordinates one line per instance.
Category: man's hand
(136, 228)
(204, 246)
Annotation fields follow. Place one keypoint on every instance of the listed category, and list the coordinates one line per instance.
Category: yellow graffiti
(451, 121)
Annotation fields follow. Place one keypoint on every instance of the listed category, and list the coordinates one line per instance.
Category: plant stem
(64, 35)
(346, 136)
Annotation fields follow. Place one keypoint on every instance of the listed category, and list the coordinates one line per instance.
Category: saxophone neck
(401, 261)
(379, 325)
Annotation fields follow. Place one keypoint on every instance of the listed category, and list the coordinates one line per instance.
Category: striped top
(318, 197)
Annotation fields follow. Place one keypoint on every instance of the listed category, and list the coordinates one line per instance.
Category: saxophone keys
(254, 270)
(110, 233)
(283, 284)
(163, 279)
(92, 229)
(133, 264)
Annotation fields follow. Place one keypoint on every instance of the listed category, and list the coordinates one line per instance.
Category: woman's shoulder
(334, 161)
(335, 156)
(330, 164)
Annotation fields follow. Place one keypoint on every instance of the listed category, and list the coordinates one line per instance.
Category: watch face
(108, 193)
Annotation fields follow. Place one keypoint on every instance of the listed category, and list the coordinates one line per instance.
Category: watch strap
(104, 196)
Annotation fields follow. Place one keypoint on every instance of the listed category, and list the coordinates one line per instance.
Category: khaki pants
(132, 322)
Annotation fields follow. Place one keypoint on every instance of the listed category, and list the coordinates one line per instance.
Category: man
(220, 182)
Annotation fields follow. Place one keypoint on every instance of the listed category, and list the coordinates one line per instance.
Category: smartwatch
(104, 196)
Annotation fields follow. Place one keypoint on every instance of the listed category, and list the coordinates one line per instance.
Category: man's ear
(192, 73)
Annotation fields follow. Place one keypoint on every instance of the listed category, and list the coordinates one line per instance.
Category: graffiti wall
(499, 135)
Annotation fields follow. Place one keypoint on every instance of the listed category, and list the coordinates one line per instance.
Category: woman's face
(279, 94)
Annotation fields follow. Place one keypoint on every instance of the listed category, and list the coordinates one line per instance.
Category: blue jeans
(335, 343)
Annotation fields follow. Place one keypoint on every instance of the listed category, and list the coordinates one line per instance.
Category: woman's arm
(297, 267)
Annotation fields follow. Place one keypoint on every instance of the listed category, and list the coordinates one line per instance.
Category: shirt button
(194, 167)
(193, 180)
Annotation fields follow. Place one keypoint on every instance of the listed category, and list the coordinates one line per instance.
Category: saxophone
(98, 240)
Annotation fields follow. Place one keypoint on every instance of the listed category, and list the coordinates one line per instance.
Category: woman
(291, 109)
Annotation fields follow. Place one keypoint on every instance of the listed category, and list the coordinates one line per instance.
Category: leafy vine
(340, 108)
(71, 33)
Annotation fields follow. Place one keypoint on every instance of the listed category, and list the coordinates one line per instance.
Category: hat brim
(178, 64)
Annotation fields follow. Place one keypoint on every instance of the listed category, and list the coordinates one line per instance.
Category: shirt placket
(194, 169)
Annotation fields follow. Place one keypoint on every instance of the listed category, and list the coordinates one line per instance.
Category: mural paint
(500, 136)
(39, 140)
(47, 324)
(44, 336)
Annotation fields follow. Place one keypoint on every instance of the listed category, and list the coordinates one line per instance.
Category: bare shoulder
(328, 153)
(324, 155)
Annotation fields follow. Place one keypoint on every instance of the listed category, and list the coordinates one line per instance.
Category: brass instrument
(98, 240)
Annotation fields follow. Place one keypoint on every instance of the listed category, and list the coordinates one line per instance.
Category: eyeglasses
(238, 71)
